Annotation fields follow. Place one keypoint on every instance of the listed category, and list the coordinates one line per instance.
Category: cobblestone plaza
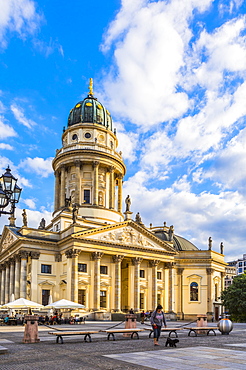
(202, 352)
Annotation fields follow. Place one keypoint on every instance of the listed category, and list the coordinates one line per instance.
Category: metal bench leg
(85, 337)
(59, 337)
(189, 334)
(112, 336)
(173, 331)
(212, 331)
(134, 333)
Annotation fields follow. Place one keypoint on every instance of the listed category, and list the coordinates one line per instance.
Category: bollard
(31, 329)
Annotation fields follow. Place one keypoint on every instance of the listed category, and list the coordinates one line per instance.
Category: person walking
(157, 319)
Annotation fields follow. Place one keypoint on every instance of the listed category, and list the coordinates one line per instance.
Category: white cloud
(31, 203)
(18, 16)
(20, 116)
(37, 165)
(194, 216)
(128, 142)
(6, 130)
(48, 48)
(6, 146)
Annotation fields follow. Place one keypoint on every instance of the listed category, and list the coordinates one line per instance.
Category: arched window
(194, 291)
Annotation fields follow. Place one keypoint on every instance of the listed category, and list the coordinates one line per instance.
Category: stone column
(154, 265)
(120, 177)
(117, 260)
(222, 287)
(209, 291)
(169, 265)
(62, 187)
(111, 188)
(17, 277)
(73, 254)
(3, 284)
(136, 262)
(11, 277)
(7, 273)
(23, 273)
(96, 256)
(95, 192)
(34, 276)
(180, 293)
(77, 191)
(57, 192)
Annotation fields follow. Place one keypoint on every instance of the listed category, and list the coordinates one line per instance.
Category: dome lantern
(90, 110)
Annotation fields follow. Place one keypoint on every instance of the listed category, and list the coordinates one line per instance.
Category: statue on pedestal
(42, 224)
(24, 217)
(221, 248)
(210, 243)
(128, 203)
(74, 213)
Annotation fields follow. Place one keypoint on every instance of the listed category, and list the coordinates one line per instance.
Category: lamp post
(9, 194)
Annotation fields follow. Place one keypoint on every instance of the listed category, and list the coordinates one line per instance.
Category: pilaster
(96, 257)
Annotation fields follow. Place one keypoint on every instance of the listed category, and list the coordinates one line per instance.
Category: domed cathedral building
(96, 253)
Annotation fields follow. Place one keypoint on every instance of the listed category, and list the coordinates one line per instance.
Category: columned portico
(117, 260)
(154, 264)
(17, 276)
(209, 291)
(11, 277)
(23, 273)
(72, 255)
(62, 187)
(3, 284)
(34, 278)
(180, 293)
(136, 263)
(96, 257)
(7, 275)
(95, 195)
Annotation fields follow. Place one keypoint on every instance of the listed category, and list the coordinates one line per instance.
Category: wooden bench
(170, 330)
(60, 334)
(195, 329)
(132, 331)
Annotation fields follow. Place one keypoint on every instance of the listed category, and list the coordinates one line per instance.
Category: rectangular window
(142, 273)
(81, 296)
(159, 275)
(103, 298)
(104, 270)
(45, 296)
(46, 269)
(142, 300)
(82, 267)
(87, 196)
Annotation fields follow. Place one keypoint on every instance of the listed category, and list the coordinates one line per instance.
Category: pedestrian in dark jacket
(157, 320)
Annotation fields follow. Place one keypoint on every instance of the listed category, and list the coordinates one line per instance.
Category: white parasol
(63, 304)
(22, 303)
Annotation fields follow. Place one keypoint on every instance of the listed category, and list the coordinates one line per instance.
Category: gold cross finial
(91, 87)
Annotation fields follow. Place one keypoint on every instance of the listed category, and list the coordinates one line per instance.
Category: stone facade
(90, 253)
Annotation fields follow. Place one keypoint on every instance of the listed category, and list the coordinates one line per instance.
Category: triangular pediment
(127, 233)
(7, 239)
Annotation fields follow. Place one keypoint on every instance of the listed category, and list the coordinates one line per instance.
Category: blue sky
(173, 75)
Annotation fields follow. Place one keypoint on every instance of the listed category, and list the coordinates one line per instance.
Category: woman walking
(157, 320)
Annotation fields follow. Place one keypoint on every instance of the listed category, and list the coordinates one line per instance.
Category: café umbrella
(64, 304)
(22, 303)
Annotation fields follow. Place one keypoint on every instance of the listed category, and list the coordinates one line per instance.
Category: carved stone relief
(126, 235)
(8, 241)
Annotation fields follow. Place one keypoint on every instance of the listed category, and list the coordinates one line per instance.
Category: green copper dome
(90, 110)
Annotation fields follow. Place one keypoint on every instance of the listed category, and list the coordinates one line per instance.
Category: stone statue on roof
(221, 248)
(42, 224)
(128, 203)
(210, 241)
(24, 217)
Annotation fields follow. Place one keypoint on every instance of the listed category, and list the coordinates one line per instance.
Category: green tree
(234, 298)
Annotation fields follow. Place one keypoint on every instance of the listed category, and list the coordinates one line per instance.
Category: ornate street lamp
(9, 192)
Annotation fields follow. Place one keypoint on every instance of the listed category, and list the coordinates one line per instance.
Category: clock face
(74, 137)
(87, 135)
